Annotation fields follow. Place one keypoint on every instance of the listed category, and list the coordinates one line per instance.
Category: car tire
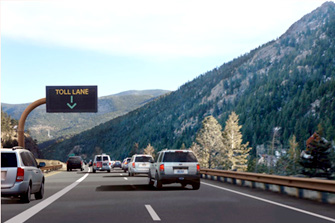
(196, 185)
(39, 195)
(158, 183)
(25, 197)
(108, 171)
(82, 169)
(94, 170)
(150, 182)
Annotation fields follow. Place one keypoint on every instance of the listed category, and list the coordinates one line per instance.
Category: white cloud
(152, 27)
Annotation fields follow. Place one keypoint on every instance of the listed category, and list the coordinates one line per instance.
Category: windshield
(143, 159)
(179, 157)
(8, 160)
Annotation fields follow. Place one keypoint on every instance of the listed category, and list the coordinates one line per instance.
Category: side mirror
(152, 161)
(41, 164)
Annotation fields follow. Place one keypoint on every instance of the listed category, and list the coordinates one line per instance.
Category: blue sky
(130, 45)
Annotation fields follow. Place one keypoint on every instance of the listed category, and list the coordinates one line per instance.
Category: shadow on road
(141, 187)
(126, 175)
(14, 200)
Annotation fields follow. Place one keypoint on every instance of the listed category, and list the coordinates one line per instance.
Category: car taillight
(161, 168)
(19, 174)
(125, 163)
(81, 162)
(94, 164)
(67, 162)
(133, 165)
(198, 167)
(110, 163)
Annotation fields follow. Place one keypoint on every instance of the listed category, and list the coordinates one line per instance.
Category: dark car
(75, 162)
(117, 163)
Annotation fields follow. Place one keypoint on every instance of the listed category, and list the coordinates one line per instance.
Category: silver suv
(139, 163)
(175, 166)
(20, 174)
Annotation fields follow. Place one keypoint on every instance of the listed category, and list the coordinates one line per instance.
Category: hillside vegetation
(287, 85)
(9, 137)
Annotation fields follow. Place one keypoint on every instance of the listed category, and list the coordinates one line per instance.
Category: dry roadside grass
(52, 163)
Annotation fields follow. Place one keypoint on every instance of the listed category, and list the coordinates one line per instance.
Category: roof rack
(17, 147)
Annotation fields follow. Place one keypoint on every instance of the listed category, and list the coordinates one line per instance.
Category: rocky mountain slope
(286, 84)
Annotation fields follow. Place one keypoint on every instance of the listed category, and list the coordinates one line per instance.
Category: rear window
(179, 157)
(105, 158)
(8, 160)
(98, 158)
(143, 159)
(74, 158)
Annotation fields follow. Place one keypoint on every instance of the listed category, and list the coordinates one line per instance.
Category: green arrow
(71, 106)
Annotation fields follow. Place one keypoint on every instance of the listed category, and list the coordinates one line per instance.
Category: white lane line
(152, 212)
(272, 202)
(121, 174)
(125, 178)
(24, 216)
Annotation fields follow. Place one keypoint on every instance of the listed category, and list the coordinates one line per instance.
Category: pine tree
(232, 140)
(196, 149)
(293, 151)
(134, 150)
(294, 155)
(149, 150)
(209, 149)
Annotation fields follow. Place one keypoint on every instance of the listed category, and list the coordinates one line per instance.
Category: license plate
(180, 171)
(144, 164)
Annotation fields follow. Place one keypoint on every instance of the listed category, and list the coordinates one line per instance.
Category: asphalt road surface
(82, 196)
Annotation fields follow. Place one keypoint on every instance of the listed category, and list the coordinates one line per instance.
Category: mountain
(287, 84)
(52, 126)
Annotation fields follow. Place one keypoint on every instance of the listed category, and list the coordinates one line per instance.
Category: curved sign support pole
(24, 115)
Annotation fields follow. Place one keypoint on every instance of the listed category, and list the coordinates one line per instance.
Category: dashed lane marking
(152, 212)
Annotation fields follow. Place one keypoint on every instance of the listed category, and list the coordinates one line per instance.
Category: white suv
(175, 166)
(20, 174)
(139, 163)
(102, 162)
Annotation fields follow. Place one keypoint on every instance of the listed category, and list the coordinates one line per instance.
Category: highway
(83, 196)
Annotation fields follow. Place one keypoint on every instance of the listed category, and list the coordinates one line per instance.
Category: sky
(130, 44)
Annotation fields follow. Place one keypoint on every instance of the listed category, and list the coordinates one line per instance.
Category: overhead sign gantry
(62, 99)
(72, 99)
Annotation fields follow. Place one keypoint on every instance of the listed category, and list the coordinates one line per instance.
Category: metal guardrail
(51, 168)
(302, 183)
